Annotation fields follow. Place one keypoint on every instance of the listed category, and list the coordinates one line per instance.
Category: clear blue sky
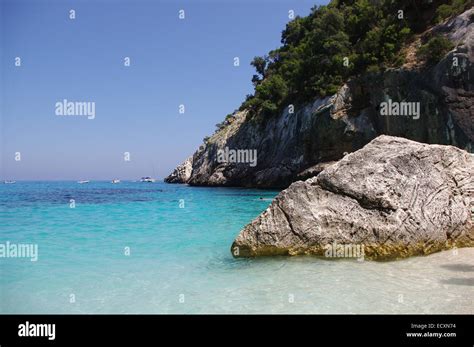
(173, 62)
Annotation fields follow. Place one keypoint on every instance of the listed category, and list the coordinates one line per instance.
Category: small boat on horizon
(115, 181)
(83, 181)
(147, 179)
(8, 182)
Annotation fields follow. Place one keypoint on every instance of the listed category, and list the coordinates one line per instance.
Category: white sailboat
(147, 179)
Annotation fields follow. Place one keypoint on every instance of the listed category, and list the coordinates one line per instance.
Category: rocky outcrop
(393, 198)
(182, 173)
(303, 136)
(285, 145)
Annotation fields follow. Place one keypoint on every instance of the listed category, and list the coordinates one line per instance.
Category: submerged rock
(395, 197)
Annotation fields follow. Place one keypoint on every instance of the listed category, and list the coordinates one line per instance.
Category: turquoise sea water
(180, 259)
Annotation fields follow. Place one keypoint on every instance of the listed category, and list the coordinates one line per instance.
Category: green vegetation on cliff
(435, 49)
(343, 39)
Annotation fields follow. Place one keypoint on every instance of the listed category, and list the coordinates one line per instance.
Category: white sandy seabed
(435, 284)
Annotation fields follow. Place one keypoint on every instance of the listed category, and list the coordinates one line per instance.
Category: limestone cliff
(182, 173)
(291, 145)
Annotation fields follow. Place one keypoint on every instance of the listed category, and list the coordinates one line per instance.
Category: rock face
(289, 144)
(182, 173)
(394, 197)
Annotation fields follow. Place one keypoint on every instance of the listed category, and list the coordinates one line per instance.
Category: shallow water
(180, 259)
